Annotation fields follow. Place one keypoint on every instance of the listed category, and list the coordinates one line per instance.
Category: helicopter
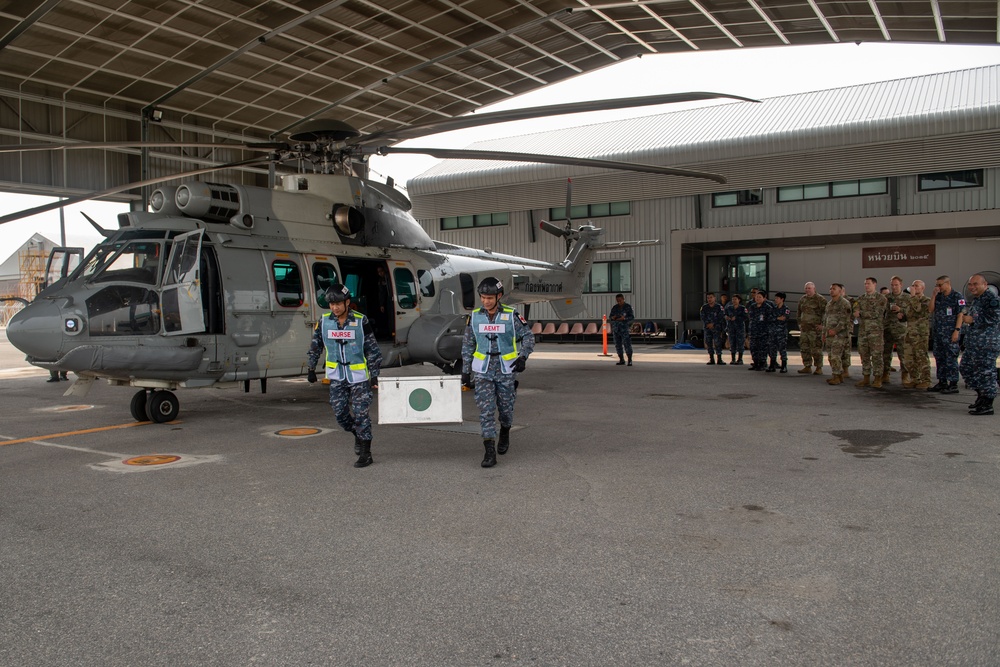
(218, 284)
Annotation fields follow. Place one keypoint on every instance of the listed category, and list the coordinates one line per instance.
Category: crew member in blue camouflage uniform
(982, 345)
(496, 345)
(621, 317)
(713, 316)
(778, 343)
(946, 312)
(736, 328)
(353, 361)
(761, 313)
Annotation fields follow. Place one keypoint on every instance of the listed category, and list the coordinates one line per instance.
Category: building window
(478, 220)
(947, 180)
(592, 210)
(738, 198)
(835, 189)
(609, 277)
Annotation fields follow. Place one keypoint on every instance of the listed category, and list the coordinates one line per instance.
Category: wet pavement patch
(871, 444)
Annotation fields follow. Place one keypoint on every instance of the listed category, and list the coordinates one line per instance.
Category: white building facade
(892, 178)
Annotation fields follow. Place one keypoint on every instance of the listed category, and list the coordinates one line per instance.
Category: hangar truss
(249, 70)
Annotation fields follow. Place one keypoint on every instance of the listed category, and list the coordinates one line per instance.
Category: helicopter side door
(287, 333)
(323, 273)
(180, 297)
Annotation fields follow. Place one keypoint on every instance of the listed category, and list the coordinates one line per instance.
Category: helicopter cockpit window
(124, 310)
(134, 262)
(406, 289)
(426, 281)
(287, 283)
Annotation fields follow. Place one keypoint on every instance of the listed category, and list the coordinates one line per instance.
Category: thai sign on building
(884, 257)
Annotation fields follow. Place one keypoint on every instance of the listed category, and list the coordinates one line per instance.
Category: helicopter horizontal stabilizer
(570, 309)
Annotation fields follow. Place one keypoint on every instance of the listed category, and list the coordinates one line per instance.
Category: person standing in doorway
(353, 362)
(621, 317)
(496, 345)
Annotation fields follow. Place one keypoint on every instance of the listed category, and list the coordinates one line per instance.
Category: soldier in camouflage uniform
(353, 361)
(946, 314)
(917, 313)
(621, 317)
(870, 311)
(496, 345)
(778, 340)
(809, 314)
(837, 326)
(894, 328)
(736, 327)
(982, 345)
(761, 314)
(713, 316)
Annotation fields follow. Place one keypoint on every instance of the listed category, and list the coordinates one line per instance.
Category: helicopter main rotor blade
(465, 154)
(44, 208)
(464, 122)
(17, 148)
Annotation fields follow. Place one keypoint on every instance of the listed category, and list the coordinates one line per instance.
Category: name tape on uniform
(492, 328)
(340, 334)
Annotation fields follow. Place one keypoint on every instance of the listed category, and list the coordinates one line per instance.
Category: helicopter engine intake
(347, 219)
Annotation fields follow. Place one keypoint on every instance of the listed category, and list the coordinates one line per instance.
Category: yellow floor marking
(68, 433)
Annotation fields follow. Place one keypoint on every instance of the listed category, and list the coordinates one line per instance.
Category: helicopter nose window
(135, 262)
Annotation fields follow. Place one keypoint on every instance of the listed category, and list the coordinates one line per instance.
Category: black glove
(311, 376)
(519, 364)
(373, 384)
(467, 380)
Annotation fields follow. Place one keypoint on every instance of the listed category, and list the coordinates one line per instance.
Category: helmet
(337, 293)
(490, 286)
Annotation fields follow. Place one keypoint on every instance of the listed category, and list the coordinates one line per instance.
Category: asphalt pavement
(671, 513)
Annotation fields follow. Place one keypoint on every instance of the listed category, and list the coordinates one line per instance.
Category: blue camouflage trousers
(979, 367)
(945, 356)
(350, 403)
(713, 341)
(777, 344)
(623, 339)
(494, 392)
(737, 339)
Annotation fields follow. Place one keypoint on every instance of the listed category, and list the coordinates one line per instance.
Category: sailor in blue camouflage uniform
(982, 345)
(713, 317)
(761, 313)
(621, 317)
(736, 328)
(496, 345)
(353, 362)
(778, 343)
(946, 311)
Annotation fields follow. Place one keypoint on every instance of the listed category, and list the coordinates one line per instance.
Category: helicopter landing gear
(138, 406)
(161, 406)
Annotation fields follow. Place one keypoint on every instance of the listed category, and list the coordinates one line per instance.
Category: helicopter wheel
(138, 406)
(162, 406)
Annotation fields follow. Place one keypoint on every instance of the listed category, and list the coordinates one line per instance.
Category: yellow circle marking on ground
(151, 460)
(297, 432)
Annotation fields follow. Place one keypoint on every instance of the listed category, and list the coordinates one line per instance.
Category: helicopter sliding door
(180, 298)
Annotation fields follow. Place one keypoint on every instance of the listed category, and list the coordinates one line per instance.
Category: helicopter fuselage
(224, 283)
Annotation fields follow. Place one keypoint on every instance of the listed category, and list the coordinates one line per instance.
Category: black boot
(503, 443)
(490, 459)
(621, 361)
(720, 361)
(711, 360)
(732, 359)
(951, 388)
(939, 386)
(739, 361)
(630, 360)
(784, 365)
(357, 444)
(772, 367)
(366, 455)
(979, 399)
(985, 408)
